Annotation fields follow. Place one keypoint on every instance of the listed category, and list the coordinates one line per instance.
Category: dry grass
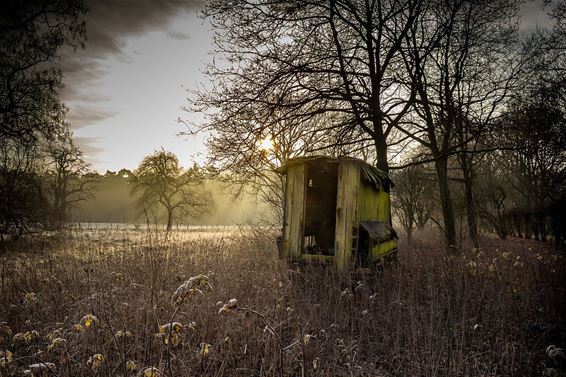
(475, 314)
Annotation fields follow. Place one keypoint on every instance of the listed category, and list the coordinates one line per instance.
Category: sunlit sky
(126, 89)
(143, 91)
(125, 94)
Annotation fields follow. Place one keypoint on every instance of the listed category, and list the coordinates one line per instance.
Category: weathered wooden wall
(293, 222)
(373, 205)
(346, 210)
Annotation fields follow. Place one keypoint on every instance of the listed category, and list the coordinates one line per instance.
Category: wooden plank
(317, 258)
(383, 213)
(374, 205)
(368, 204)
(286, 216)
(294, 211)
(383, 249)
(346, 210)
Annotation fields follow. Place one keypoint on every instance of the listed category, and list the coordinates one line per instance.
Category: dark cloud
(179, 35)
(109, 24)
(89, 146)
(81, 72)
(83, 116)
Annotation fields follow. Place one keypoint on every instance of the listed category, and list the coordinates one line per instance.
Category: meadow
(219, 302)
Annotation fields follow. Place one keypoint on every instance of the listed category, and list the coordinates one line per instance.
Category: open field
(479, 313)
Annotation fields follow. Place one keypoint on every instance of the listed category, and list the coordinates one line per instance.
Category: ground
(100, 303)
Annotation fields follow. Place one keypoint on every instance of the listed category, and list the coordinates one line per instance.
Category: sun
(265, 144)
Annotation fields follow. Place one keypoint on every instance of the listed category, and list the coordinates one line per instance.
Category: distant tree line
(465, 97)
(116, 199)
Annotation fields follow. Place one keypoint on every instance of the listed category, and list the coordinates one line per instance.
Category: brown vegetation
(481, 313)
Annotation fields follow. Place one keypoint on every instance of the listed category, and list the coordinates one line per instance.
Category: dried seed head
(123, 334)
(88, 321)
(307, 338)
(41, 369)
(192, 286)
(554, 352)
(5, 359)
(149, 372)
(205, 349)
(25, 337)
(95, 361)
(56, 344)
(5, 332)
(131, 366)
(54, 334)
(30, 299)
(225, 309)
(170, 333)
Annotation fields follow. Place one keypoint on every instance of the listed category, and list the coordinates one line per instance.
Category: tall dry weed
(100, 304)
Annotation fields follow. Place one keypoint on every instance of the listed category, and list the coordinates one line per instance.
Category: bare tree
(462, 68)
(246, 155)
(160, 181)
(303, 59)
(382, 74)
(550, 64)
(70, 177)
(535, 160)
(413, 199)
(23, 202)
(31, 36)
(493, 193)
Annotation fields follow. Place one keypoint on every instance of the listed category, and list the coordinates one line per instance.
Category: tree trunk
(470, 204)
(441, 165)
(169, 220)
(380, 143)
(501, 225)
(381, 152)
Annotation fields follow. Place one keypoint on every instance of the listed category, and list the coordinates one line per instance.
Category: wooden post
(294, 211)
(346, 210)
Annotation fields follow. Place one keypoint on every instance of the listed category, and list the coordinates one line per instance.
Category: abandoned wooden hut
(337, 210)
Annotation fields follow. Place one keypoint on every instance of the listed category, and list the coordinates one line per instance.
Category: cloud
(88, 145)
(81, 115)
(109, 24)
(179, 35)
(81, 73)
(534, 15)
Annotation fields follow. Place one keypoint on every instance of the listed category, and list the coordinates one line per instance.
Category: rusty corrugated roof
(370, 173)
(379, 231)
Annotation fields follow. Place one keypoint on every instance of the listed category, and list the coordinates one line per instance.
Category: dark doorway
(320, 208)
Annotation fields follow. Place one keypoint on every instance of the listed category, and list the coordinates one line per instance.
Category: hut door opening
(320, 207)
